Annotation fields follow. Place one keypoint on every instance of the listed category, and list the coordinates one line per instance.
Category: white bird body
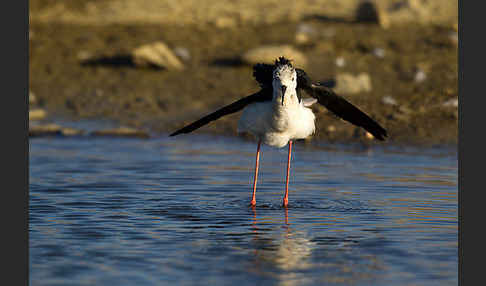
(275, 124)
(282, 119)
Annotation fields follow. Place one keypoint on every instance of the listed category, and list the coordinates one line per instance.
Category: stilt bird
(277, 114)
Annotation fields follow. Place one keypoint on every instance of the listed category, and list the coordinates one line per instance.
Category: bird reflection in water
(284, 255)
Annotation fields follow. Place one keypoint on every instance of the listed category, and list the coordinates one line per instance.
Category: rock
(182, 53)
(268, 55)
(84, 56)
(156, 54)
(331, 128)
(454, 102)
(379, 52)
(340, 62)
(44, 130)
(402, 12)
(388, 100)
(121, 132)
(420, 75)
(367, 12)
(52, 130)
(372, 12)
(347, 83)
(37, 114)
(403, 109)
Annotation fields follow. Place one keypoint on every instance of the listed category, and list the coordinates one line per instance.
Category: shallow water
(175, 211)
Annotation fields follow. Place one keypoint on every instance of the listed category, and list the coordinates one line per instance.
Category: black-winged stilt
(277, 114)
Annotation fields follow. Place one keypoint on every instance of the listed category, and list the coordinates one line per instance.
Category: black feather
(339, 106)
(281, 61)
(262, 95)
(347, 111)
(263, 74)
(303, 80)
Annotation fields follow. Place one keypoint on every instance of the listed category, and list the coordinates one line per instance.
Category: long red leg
(253, 201)
(286, 197)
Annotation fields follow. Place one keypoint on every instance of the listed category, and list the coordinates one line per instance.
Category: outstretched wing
(262, 95)
(263, 74)
(340, 106)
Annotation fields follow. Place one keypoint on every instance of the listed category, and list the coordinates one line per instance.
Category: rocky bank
(402, 72)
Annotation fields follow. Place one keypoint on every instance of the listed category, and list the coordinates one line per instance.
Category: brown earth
(161, 100)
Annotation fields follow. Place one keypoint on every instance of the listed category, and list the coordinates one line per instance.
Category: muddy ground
(162, 101)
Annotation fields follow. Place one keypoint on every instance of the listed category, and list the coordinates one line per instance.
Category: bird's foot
(253, 203)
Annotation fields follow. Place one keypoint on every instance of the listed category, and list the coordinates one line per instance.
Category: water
(175, 211)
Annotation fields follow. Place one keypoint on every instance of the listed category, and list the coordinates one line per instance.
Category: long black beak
(284, 88)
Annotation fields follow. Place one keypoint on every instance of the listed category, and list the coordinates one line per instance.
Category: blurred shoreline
(410, 67)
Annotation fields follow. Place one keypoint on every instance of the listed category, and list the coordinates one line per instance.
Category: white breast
(275, 124)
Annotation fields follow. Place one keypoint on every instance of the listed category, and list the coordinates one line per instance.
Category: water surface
(175, 211)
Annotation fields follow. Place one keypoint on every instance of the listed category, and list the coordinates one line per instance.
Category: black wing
(262, 95)
(263, 74)
(339, 106)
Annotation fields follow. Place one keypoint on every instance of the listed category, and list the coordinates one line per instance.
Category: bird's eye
(293, 78)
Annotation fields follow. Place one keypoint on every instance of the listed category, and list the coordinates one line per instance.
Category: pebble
(340, 62)
(157, 54)
(454, 102)
(379, 52)
(182, 53)
(388, 100)
(84, 56)
(420, 76)
(347, 83)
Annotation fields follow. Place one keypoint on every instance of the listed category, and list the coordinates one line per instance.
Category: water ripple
(176, 211)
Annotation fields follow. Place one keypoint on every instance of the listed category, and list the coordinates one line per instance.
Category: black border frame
(15, 141)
